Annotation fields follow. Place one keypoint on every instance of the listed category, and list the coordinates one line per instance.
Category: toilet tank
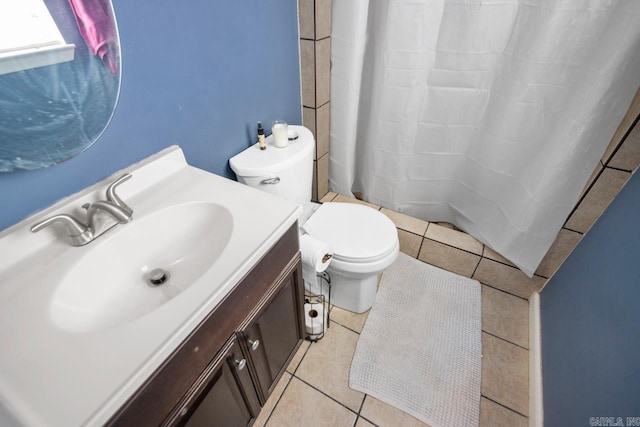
(285, 172)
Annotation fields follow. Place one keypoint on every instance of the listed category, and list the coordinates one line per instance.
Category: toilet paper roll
(315, 254)
(310, 277)
(314, 319)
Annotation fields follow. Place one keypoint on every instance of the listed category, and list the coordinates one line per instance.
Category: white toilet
(364, 241)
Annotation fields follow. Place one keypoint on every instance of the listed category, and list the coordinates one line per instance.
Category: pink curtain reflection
(97, 26)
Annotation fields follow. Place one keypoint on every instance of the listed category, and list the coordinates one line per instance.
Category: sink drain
(157, 276)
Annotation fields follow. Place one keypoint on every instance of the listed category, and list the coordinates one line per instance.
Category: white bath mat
(420, 349)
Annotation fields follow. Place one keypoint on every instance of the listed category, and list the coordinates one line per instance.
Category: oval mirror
(57, 91)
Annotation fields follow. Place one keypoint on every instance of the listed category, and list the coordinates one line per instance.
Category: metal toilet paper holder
(318, 308)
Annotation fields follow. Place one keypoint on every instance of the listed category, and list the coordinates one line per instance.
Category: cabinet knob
(254, 344)
(240, 364)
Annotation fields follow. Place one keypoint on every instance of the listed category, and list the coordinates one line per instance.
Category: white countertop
(49, 376)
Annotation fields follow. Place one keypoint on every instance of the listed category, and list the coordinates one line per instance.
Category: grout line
(325, 394)
(362, 404)
(455, 247)
(544, 277)
(427, 229)
(488, 258)
(618, 169)
(504, 406)
(407, 231)
(315, 67)
(499, 262)
(477, 265)
(516, 268)
(302, 358)
(502, 290)
(360, 410)
(420, 249)
(277, 401)
(571, 229)
(345, 326)
(568, 229)
(622, 140)
(327, 201)
(504, 339)
(583, 195)
(369, 421)
(315, 136)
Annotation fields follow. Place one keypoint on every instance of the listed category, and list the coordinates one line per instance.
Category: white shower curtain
(489, 114)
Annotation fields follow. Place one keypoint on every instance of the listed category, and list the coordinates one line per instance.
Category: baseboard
(535, 363)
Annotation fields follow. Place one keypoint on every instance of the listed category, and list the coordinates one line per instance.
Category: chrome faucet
(102, 216)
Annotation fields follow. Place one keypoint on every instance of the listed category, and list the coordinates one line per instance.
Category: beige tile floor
(314, 391)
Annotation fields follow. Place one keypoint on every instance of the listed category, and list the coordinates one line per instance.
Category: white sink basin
(110, 285)
(81, 328)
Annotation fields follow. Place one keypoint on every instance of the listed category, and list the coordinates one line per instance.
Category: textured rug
(420, 349)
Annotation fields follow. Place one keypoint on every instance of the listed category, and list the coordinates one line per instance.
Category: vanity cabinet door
(273, 335)
(223, 396)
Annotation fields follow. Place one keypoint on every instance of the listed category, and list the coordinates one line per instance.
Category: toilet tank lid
(256, 162)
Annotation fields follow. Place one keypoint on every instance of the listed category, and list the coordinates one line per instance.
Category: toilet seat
(357, 233)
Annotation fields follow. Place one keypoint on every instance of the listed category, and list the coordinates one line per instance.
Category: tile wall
(315, 62)
(619, 161)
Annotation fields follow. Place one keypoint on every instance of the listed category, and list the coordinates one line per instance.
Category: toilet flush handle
(272, 180)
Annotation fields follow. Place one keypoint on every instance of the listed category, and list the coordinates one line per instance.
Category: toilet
(364, 241)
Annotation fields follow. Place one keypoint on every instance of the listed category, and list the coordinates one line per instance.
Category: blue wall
(591, 321)
(198, 74)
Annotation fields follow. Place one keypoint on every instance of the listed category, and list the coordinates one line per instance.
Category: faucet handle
(113, 197)
(79, 233)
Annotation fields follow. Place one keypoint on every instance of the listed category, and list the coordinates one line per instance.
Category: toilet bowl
(364, 241)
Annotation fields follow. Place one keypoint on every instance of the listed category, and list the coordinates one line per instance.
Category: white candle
(280, 134)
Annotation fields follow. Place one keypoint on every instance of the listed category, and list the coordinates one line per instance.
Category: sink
(112, 284)
(91, 310)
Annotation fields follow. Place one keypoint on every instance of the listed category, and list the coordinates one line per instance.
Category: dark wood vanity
(223, 373)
